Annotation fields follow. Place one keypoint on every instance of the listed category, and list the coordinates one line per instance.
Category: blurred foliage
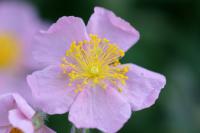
(169, 44)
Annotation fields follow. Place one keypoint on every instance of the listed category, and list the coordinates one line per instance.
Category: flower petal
(102, 109)
(6, 104)
(19, 18)
(19, 86)
(23, 106)
(143, 87)
(18, 120)
(106, 24)
(51, 91)
(12, 101)
(5, 129)
(50, 46)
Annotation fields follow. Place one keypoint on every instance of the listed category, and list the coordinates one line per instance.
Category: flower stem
(76, 130)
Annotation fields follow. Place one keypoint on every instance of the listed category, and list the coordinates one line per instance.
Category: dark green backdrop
(169, 44)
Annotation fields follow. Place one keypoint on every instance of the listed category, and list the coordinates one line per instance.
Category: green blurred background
(169, 44)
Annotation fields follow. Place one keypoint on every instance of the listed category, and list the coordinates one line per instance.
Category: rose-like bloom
(18, 117)
(18, 24)
(84, 75)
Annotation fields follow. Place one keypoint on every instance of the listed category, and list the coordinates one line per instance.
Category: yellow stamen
(94, 61)
(120, 89)
(9, 51)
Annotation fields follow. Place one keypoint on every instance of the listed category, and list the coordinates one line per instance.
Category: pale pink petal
(50, 46)
(5, 129)
(143, 87)
(21, 87)
(45, 129)
(6, 104)
(51, 91)
(13, 101)
(18, 18)
(105, 110)
(23, 106)
(106, 24)
(18, 120)
(17, 85)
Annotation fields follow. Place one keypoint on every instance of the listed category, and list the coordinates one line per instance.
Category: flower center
(94, 62)
(15, 130)
(9, 50)
(94, 70)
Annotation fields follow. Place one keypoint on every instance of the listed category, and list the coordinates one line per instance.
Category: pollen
(94, 62)
(15, 130)
(9, 51)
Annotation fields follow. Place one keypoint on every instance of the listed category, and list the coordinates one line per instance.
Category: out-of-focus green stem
(82, 130)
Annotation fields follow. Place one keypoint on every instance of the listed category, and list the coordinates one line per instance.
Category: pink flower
(18, 117)
(18, 24)
(84, 76)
